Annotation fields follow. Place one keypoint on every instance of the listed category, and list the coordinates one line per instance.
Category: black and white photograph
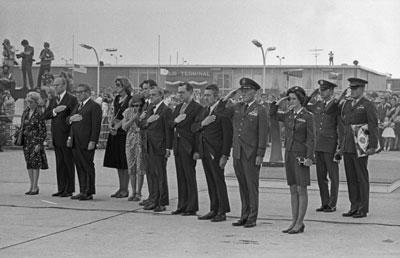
(213, 128)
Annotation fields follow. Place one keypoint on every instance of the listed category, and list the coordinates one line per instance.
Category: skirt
(388, 132)
(295, 173)
(115, 156)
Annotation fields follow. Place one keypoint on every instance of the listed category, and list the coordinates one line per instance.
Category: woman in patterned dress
(134, 140)
(33, 136)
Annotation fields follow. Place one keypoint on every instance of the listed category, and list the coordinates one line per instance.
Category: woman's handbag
(19, 134)
(18, 137)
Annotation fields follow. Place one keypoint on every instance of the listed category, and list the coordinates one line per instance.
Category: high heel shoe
(34, 192)
(300, 230)
(287, 230)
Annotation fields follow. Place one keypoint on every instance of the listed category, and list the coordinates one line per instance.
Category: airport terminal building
(278, 77)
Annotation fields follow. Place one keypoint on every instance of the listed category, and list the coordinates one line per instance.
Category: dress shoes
(207, 216)
(249, 224)
(189, 213)
(238, 223)
(122, 195)
(76, 197)
(33, 192)
(149, 207)
(114, 195)
(330, 209)
(219, 218)
(322, 208)
(159, 209)
(287, 230)
(300, 230)
(177, 212)
(86, 197)
(144, 202)
(359, 214)
(65, 195)
(350, 213)
(56, 194)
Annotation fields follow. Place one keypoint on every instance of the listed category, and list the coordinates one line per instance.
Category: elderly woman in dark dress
(115, 156)
(33, 137)
(299, 152)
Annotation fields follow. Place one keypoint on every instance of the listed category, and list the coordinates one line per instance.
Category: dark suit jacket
(215, 138)
(326, 125)
(364, 112)
(158, 135)
(88, 129)
(250, 129)
(183, 131)
(60, 127)
(299, 130)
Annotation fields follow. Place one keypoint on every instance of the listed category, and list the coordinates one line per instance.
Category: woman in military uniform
(299, 152)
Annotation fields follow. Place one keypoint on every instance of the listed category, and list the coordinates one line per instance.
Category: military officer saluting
(358, 111)
(326, 116)
(249, 120)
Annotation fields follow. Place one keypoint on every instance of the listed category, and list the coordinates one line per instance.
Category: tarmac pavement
(45, 226)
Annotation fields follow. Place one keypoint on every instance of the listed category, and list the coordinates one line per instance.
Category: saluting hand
(208, 120)
(281, 100)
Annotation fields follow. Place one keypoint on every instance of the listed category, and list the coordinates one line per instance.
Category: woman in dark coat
(299, 153)
(115, 156)
(33, 136)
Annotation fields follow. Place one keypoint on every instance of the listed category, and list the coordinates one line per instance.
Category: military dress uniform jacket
(250, 129)
(299, 130)
(326, 121)
(363, 112)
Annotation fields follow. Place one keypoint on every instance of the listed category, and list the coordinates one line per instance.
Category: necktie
(209, 111)
(80, 106)
(58, 99)
(246, 106)
(183, 108)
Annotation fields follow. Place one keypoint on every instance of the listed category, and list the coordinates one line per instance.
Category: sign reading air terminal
(198, 77)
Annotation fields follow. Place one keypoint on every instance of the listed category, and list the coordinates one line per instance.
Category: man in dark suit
(249, 120)
(183, 146)
(59, 109)
(158, 143)
(85, 123)
(145, 87)
(326, 116)
(214, 142)
(358, 111)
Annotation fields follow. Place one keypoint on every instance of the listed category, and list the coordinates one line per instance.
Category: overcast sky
(211, 31)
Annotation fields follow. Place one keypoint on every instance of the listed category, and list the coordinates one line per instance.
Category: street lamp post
(280, 59)
(264, 56)
(98, 65)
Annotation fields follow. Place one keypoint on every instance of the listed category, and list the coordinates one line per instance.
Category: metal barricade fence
(7, 130)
